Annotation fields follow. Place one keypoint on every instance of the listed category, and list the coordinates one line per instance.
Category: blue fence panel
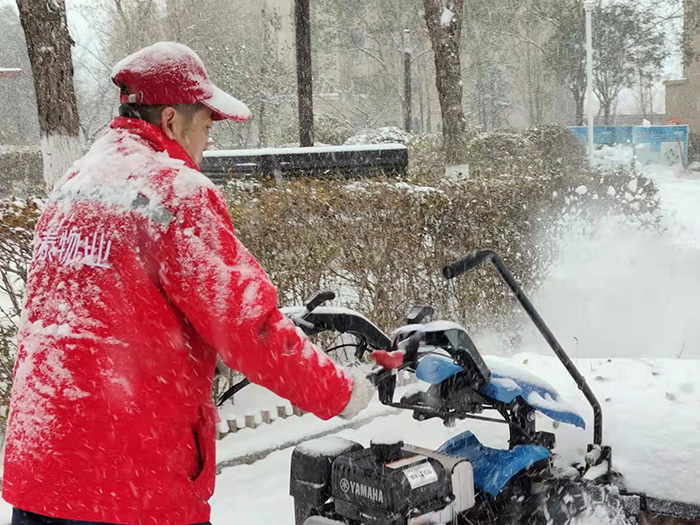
(604, 135)
(667, 144)
(581, 134)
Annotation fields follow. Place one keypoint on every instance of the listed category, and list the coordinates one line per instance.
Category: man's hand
(362, 394)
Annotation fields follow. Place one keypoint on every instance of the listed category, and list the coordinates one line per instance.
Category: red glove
(388, 360)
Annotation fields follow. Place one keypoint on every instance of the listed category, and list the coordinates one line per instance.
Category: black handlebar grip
(318, 298)
(471, 261)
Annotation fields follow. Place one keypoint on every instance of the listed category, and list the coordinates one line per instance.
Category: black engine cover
(371, 491)
(310, 475)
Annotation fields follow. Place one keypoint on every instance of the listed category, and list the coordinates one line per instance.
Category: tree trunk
(49, 47)
(606, 107)
(445, 38)
(302, 17)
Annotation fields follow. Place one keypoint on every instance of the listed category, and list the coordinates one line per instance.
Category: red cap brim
(226, 107)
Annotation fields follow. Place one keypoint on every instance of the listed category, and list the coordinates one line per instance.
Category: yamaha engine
(388, 483)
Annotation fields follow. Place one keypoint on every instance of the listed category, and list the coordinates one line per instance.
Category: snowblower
(335, 481)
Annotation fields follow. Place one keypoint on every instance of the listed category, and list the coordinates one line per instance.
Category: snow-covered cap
(171, 73)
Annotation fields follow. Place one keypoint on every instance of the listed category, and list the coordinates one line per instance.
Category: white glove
(362, 394)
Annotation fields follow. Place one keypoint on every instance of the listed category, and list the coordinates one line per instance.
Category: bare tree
(629, 45)
(444, 23)
(360, 59)
(49, 45)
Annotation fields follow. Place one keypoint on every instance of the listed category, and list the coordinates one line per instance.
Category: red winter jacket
(137, 281)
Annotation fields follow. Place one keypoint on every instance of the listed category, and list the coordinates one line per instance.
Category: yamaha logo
(358, 489)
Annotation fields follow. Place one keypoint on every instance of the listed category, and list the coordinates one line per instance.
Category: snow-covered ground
(623, 302)
(630, 293)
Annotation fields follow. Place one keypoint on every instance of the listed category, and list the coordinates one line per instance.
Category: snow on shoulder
(188, 181)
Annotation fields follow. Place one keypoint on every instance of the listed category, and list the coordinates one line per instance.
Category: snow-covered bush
(17, 221)
(557, 147)
(501, 153)
(382, 243)
(426, 157)
(21, 171)
(329, 129)
(387, 135)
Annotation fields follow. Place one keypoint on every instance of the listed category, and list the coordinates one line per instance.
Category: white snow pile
(386, 135)
(447, 17)
(366, 186)
(613, 157)
(327, 446)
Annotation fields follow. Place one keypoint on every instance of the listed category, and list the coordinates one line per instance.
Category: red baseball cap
(171, 73)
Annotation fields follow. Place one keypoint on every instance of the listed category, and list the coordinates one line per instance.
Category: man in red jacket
(137, 282)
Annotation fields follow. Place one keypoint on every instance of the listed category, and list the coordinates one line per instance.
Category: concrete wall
(683, 102)
(683, 95)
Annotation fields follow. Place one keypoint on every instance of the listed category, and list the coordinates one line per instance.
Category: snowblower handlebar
(479, 257)
(471, 261)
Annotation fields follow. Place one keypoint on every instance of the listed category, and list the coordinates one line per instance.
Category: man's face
(192, 131)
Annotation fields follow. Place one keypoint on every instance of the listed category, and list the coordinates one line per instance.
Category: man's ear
(167, 120)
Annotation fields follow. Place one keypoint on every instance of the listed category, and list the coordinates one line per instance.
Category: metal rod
(478, 258)
(556, 347)
(445, 415)
(232, 391)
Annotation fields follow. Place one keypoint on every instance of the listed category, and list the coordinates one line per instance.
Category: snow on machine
(335, 481)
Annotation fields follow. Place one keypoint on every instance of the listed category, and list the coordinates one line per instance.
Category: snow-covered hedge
(21, 171)
(382, 243)
(386, 135)
(17, 221)
(501, 153)
(557, 147)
